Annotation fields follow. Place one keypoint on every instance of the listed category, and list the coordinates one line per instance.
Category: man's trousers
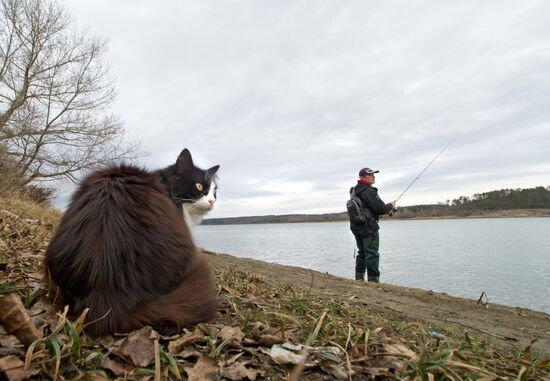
(368, 256)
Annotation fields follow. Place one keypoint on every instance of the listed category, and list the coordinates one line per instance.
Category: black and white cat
(124, 251)
(193, 189)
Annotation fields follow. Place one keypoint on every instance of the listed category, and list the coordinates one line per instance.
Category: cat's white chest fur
(191, 217)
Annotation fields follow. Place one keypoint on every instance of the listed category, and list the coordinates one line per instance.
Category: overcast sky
(292, 98)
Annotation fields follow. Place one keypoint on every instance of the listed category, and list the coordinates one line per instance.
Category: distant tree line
(277, 219)
(530, 198)
(478, 204)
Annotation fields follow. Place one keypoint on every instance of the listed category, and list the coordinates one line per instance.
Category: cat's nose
(211, 202)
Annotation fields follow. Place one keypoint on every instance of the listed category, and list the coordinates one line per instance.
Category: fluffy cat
(124, 250)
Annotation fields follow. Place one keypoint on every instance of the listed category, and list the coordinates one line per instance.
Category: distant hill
(277, 219)
(493, 203)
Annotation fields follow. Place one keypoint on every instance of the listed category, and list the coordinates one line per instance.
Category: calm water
(508, 258)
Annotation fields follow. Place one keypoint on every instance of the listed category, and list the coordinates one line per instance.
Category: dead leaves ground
(266, 330)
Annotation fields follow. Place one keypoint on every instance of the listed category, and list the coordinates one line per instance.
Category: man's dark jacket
(374, 207)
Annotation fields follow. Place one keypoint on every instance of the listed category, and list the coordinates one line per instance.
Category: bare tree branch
(55, 95)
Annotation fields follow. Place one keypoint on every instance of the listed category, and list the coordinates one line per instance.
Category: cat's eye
(199, 187)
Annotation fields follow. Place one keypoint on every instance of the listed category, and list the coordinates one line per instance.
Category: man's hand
(393, 208)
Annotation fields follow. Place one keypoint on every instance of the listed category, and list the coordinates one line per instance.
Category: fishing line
(426, 168)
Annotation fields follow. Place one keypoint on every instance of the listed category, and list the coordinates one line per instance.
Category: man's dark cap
(367, 171)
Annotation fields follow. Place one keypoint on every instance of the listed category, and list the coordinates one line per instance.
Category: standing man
(366, 234)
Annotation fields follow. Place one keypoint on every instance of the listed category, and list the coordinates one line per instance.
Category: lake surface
(507, 258)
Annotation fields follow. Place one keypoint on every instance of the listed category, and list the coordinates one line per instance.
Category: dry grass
(345, 340)
(25, 230)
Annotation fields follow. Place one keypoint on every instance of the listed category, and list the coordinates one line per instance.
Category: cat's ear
(211, 172)
(185, 161)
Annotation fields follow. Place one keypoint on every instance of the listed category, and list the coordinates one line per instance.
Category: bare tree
(55, 95)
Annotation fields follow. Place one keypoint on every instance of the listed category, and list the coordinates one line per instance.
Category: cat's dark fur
(124, 250)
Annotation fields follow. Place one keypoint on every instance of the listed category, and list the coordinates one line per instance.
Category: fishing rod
(425, 169)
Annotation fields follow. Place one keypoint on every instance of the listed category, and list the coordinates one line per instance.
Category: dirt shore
(513, 326)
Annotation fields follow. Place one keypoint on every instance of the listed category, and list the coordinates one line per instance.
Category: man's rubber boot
(359, 276)
(373, 279)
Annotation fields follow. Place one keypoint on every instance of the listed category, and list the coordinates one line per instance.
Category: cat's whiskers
(199, 207)
(184, 199)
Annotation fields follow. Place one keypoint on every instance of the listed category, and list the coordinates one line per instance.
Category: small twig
(521, 372)
(459, 364)
(498, 336)
(467, 336)
(157, 360)
(394, 354)
(282, 327)
(310, 285)
(349, 336)
(366, 348)
(456, 353)
(348, 362)
(235, 308)
(381, 354)
(527, 349)
(98, 319)
(278, 314)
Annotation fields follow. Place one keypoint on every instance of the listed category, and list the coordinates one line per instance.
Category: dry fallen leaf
(209, 329)
(14, 369)
(188, 353)
(402, 350)
(112, 365)
(94, 377)
(239, 371)
(177, 345)
(205, 369)
(270, 340)
(393, 359)
(257, 328)
(376, 371)
(139, 346)
(336, 371)
(16, 321)
(9, 341)
(233, 334)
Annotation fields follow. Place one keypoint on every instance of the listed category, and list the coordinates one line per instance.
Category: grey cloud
(289, 93)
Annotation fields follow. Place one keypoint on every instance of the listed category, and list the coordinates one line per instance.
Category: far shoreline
(342, 217)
